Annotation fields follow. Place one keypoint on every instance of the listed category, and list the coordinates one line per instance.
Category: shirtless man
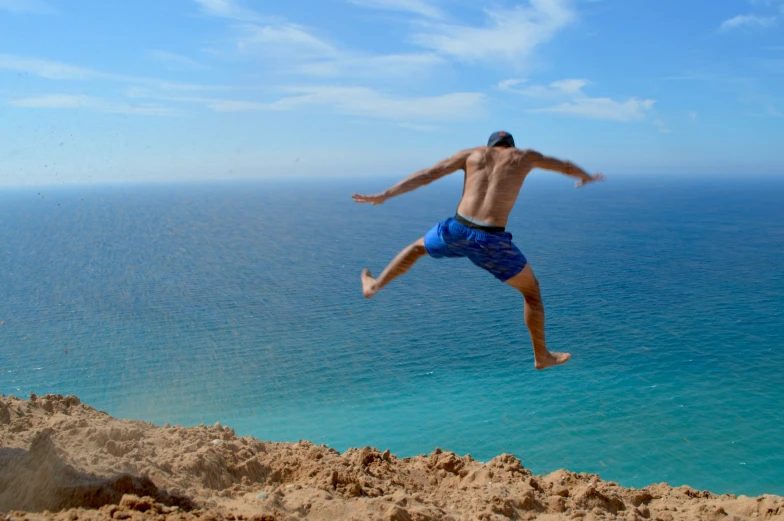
(493, 177)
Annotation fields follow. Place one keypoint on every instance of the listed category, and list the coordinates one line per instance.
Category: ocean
(240, 302)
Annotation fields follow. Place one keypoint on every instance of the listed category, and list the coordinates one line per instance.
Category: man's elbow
(438, 172)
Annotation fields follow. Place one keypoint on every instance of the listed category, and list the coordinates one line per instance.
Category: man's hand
(595, 177)
(373, 199)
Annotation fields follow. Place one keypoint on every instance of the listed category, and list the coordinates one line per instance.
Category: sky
(111, 91)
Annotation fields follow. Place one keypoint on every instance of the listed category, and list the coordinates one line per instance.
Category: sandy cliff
(61, 459)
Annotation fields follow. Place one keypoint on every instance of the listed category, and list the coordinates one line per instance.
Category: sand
(63, 460)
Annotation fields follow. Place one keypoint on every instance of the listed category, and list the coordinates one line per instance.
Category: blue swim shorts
(493, 252)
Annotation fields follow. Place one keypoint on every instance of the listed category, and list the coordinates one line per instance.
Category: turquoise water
(241, 303)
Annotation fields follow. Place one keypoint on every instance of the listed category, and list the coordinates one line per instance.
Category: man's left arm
(421, 178)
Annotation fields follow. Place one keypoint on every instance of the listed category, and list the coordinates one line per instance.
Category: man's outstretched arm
(565, 167)
(421, 178)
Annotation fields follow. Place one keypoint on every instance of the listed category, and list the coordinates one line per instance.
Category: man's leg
(399, 265)
(526, 283)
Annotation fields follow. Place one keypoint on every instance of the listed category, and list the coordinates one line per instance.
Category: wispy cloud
(663, 128)
(775, 66)
(602, 108)
(284, 41)
(52, 70)
(418, 127)
(65, 72)
(418, 7)
(686, 77)
(747, 20)
(355, 101)
(347, 65)
(27, 7)
(298, 50)
(175, 61)
(363, 101)
(554, 90)
(576, 103)
(68, 101)
(230, 9)
(509, 34)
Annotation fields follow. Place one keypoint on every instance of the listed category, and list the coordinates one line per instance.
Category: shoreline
(63, 460)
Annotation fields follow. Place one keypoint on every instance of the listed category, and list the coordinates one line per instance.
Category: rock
(133, 502)
(641, 497)
(353, 490)
(261, 496)
(556, 504)
(397, 513)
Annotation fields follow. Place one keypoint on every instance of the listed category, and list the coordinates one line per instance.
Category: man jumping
(493, 177)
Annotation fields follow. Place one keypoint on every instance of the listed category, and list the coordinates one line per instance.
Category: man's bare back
(493, 178)
(494, 175)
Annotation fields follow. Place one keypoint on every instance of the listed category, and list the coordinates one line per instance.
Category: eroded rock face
(59, 455)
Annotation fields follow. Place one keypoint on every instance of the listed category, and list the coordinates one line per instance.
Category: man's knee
(531, 291)
(526, 283)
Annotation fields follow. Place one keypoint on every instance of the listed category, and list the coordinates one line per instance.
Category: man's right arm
(565, 167)
(420, 178)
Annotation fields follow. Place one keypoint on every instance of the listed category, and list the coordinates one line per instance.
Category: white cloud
(27, 6)
(51, 70)
(174, 60)
(296, 50)
(363, 101)
(419, 7)
(747, 20)
(571, 86)
(62, 71)
(661, 126)
(418, 127)
(602, 108)
(554, 90)
(355, 101)
(68, 101)
(775, 66)
(510, 34)
(383, 66)
(283, 41)
(692, 115)
(576, 103)
(229, 9)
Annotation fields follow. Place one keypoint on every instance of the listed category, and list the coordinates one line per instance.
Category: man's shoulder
(481, 151)
(528, 153)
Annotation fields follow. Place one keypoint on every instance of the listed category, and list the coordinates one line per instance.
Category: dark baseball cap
(501, 138)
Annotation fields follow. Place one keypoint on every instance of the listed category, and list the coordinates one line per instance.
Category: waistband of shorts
(487, 229)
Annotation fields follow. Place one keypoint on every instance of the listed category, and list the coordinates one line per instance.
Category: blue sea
(240, 302)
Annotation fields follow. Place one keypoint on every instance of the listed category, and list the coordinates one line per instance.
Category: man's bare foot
(551, 360)
(368, 284)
